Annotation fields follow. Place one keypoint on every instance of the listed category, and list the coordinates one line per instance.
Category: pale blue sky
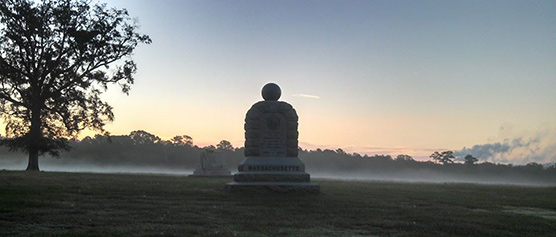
(408, 76)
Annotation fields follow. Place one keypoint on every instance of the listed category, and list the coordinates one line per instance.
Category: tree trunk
(33, 160)
(35, 136)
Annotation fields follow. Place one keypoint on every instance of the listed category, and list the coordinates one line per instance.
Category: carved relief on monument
(271, 130)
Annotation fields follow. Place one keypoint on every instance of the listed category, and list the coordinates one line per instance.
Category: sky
(373, 77)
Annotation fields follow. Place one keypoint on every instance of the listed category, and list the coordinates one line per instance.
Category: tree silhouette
(403, 157)
(224, 146)
(183, 140)
(470, 160)
(141, 137)
(341, 151)
(534, 166)
(56, 59)
(445, 157)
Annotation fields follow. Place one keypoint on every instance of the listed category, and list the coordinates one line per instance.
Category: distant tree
(141, 137)
(183, 140)
(87, 140)
(470, 160)
(102, 138)
(534, 166)
(224, 146)
(329, 152)
(382, 157)
(56, 58)
(403, 157)
(209, 148)
(340, 151)
(551, 168)
(445, 157)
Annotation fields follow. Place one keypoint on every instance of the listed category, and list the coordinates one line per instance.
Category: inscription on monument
(273, 135)
(272, 168)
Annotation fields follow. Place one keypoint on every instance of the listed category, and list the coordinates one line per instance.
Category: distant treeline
(143, 149)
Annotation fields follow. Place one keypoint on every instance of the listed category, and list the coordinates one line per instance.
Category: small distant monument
(271, 148)
(211, 164)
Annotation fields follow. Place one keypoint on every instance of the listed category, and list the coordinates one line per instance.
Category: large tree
(56, 58)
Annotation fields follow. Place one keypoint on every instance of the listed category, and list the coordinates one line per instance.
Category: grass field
(125, 204)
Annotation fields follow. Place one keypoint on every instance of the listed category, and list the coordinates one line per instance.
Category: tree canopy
(183, 140)
(404, 157)
(56, 59)
(224, 145)
(470, 160)
(445, 157)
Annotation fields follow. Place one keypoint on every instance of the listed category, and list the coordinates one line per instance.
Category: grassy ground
(123, 204)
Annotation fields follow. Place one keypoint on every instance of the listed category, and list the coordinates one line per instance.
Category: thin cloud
(307, 96)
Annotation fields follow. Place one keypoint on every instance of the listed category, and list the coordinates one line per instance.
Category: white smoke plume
(540, 148)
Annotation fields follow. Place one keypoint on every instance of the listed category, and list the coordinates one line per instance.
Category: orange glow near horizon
(453, 80)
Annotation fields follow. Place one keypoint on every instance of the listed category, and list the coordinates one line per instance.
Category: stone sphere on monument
(271, 92)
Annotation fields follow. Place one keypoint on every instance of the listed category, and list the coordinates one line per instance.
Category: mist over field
(413, 175)
(149, 154)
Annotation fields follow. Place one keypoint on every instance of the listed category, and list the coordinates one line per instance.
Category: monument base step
(272, 177)
(211, 175)
(281, 187)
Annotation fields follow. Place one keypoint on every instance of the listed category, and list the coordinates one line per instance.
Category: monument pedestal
(279, 174)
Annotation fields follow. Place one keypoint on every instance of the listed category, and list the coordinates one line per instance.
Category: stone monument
(211, 164)
(271, 148)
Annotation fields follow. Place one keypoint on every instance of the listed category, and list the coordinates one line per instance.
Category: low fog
(149, 154)
(413, 175)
